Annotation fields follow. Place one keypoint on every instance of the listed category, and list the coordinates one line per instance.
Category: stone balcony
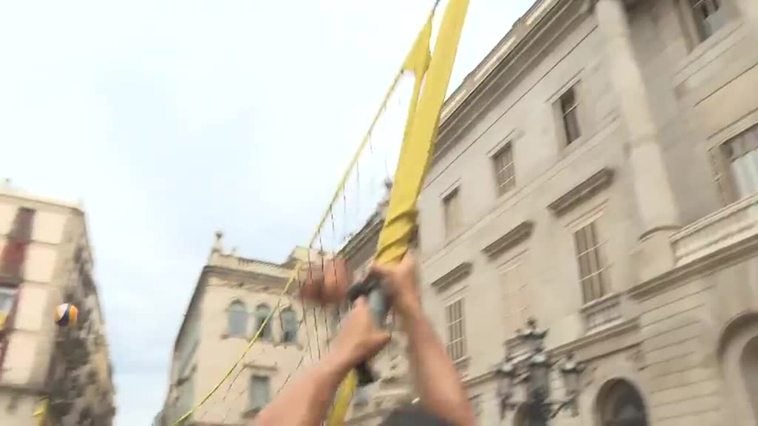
(722, 228)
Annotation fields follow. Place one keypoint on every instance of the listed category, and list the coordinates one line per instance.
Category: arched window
(622, 405)
(262, 312)
(237, 319)
(738, 353)
(288, 317)
(749, 369)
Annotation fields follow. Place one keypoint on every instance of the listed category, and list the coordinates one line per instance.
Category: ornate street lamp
(534, 370)
(507, 377)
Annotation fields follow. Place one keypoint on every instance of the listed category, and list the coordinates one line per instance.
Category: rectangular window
(452, 212)
(456, 346)
(260, 392)
(7, 299)
(741, 154)
(289, 323)
(505, 174)
(593, 267)
(14, 253)
(515, 297)
(709, 16)
(569, 109)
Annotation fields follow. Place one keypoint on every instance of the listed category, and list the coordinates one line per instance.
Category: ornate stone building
(46, 260)
(232, 297)
(598, 171)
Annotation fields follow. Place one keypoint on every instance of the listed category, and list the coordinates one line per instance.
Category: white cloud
(171, 119)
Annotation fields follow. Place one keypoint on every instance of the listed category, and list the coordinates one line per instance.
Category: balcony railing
(718, 230)
(602, 313)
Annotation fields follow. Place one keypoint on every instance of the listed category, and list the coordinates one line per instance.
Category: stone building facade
(46, 260)
(598, 171)
(232, 297)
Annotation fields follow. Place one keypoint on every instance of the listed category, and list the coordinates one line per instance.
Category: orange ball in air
(66, 315)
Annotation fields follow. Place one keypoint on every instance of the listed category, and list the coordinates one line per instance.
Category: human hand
(401, 282)
(360, 338)
(324, 282)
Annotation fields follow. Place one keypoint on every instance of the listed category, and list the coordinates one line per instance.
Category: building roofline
(6, 191)
(484, 72)
(490, 61)
(211, 268)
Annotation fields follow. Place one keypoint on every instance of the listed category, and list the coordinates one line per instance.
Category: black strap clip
(378, 302)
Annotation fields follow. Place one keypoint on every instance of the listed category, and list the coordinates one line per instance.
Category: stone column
(655, 199)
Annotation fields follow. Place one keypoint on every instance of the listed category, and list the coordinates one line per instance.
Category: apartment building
(62, 375)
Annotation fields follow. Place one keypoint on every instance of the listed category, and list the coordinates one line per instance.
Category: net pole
(412, 164)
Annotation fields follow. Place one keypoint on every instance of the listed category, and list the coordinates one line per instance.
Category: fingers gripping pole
(414, 157)
(378, 304)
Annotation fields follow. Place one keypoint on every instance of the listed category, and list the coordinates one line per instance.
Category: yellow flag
(418, 58)
(419, 138)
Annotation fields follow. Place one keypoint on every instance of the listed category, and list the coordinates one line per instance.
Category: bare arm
(306, 401)
(437, 381)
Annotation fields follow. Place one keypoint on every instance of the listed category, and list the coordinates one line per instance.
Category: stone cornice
(243, 276)
(589, 187)
(716, 260)
(453, 276)
(479, 378)
(626, 327)
(267, 368)
(510, 239)
(255, 288)
(24, 389)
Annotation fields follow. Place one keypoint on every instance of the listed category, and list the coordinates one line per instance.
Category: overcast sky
(171, 119)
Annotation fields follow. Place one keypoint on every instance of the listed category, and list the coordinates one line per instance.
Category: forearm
(306, 401)
(437, 381)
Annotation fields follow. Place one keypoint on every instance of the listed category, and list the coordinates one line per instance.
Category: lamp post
(534, 372)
